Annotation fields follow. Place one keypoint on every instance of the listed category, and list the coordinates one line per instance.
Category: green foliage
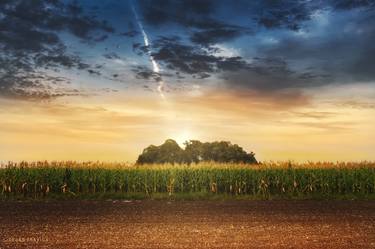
(235, 180)
(195, 152)
(169, 152)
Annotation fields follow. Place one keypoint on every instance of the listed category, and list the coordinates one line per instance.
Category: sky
(101, 80)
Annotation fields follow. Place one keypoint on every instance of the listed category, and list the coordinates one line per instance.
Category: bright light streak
(155, 66)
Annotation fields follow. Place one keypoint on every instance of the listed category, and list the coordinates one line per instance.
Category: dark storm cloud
(146, 73)
(208, 25)
(261, 45)
(32, 86)
(341, 51)
(111, 56)
(306, 53)
(140, 49)
(211, 21)
(291, 14)
(189, 59)
(101, 38)
(94, 72)
(351, 4)
(187, 13)
(213, 36)
(203, 14)
(281, 14)
(271, 74)
(262, 74)
(336, 51)
(29, 42)
(197, 15)
(131, 33)
(232, 63)
(56, 58)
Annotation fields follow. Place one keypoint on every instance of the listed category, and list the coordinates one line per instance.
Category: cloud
(260, 74)
(314, 43)
(198, 16)
(157, 12)
(111, 56)
(281, 14)
(34, 86)
(207, 14)
(292, 14)
(214, 36)
(131, 33)
(189, 59)
(357, 104)
(339, 50)
(292, 61)
(30, 43)
(317, 115)
(146, 73)
(350, 4)
(270, 74)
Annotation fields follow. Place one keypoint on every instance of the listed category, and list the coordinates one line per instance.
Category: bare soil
(187, 224)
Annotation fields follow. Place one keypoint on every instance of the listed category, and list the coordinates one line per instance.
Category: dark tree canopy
(195, 152)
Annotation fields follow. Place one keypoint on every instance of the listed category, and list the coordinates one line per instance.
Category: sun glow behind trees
(118, 127)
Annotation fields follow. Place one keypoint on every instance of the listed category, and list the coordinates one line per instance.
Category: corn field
(42, 179)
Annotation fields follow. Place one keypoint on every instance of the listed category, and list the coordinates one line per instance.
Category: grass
(282, 180)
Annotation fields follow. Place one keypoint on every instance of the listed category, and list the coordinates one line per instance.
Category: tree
(149, 155)
(168, 152)
(225, 152)
(195, 152)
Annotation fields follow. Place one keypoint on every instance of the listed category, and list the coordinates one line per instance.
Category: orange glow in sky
(118, 127)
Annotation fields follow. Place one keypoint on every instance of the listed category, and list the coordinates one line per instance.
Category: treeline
(195, 152)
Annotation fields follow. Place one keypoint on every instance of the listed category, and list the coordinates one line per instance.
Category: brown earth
(187, 224)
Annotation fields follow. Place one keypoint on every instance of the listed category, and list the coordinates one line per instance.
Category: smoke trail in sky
(155, 66)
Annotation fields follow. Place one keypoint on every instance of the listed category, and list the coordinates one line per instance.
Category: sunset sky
(101, 80)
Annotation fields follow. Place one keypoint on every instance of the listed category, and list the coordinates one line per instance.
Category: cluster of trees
(195, 152)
